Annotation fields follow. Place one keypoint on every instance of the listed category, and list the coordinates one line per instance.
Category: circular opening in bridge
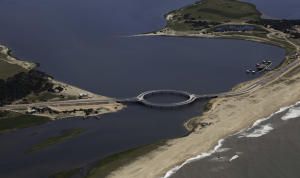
(165, 98)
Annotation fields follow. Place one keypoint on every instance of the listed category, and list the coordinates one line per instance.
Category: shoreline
(150, 165)
(220, 142)
(165, 32)
(227, 115)
(69, 91)
(14, 60)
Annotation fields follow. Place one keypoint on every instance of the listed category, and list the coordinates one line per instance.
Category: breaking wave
(262, 130)
(291, 114)
(234, 157)
(190, 160)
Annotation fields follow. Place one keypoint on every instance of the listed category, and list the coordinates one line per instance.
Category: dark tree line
(285, 26)
(281, 25)
(22, 84)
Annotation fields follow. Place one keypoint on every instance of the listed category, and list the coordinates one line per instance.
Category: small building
(31, 111)
(83, 95)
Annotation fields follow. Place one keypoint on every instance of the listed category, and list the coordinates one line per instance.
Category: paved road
(60, 103)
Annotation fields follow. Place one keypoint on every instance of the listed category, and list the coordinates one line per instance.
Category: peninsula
(22, 85)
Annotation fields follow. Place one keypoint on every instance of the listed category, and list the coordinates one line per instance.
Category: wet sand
(268, 150)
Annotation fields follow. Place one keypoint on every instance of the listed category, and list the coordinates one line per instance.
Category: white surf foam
(291, 114)
(198, 157)
(220, 142)
(221, 150)
(262, 130)
(233, 158)
(256, 123)
(259, 121)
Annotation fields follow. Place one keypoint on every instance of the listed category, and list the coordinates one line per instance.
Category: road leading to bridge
(142, 98)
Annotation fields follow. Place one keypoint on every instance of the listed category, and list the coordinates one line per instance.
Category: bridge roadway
(190, 98)
(143, 98)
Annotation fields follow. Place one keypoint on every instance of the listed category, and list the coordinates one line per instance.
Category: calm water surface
(278, 9)
(86, 43)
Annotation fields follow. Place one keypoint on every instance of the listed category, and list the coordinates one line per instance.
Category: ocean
(268, 149)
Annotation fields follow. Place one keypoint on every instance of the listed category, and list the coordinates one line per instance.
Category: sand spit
(12, 60)
(69, 92)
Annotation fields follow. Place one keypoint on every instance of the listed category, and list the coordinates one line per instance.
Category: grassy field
(12, 121)
(217, 11)
(107, 165)
(221, 11)
(8, 70)
(40, 97)
(64, 135)
(66, 174)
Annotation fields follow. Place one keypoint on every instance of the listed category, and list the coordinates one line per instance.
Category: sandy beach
(227, 115)
(13, 60)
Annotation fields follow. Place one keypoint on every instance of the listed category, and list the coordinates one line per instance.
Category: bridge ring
(142, 98)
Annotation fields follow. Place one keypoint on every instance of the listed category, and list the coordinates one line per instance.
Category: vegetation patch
(12, 121)
(66, 174)
(40, 97)
(23, 84)
(9, 70)
(63, 136)
(111, 163)
(212, 11)
(105, 166)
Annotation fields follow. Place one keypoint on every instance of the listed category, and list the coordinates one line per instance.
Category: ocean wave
(221, 150)
(291, 114)
(258, 122)
(190, 160)
(262, 130)
(265, 129)
(233, 158)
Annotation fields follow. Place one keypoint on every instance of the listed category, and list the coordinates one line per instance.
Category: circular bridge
(143, 98)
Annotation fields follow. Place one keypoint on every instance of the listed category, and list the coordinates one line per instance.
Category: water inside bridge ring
(143, 98)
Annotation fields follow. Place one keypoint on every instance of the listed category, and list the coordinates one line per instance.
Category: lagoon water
(278, 9)
(86, 43)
